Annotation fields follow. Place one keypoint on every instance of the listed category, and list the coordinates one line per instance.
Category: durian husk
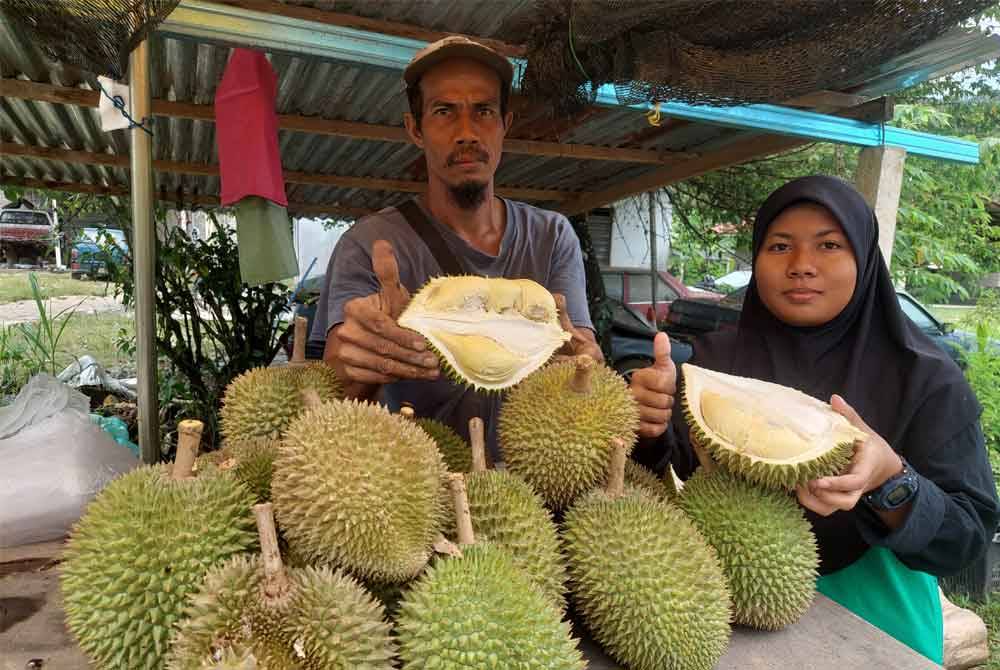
(766, 546)
(359, 488)
(325, 621)
(480, 611)
(454, 450)
(251, 461)
(490, 333)
(140, 550)
(646, 583)
(769, 434)
(557, 439)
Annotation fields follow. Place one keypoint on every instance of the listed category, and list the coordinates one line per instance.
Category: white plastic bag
(49, 471)
(43, 396)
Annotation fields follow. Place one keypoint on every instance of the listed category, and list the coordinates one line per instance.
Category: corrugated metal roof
(188, 72)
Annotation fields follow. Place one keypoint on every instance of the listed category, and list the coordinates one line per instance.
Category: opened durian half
(490, 333)
(767, 433)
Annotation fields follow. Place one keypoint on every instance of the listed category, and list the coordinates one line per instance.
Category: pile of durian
(331, 534)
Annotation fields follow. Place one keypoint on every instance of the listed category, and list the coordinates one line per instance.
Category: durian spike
(299, 343)
(616, 469)
(477, 439)
(310, 398)
(406, 411)
(463, 517)
(704, 458)
(580, 382)
(275, 585)
(188, 440)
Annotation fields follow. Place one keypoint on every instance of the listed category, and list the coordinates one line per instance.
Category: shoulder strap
(423, 227)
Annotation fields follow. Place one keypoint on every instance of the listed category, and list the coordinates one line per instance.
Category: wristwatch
(895, 491)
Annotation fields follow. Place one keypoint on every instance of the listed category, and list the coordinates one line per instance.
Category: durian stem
(406, 411)
(188, 440)
(477, 438)
(310, 398)
(299, 343)
(580, 383)
(275, 580)
(707, 464)
(616, 469)
(463, 517)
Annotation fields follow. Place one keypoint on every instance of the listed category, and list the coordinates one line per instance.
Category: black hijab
(901, 383)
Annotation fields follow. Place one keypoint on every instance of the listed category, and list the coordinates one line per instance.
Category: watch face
(898, 494)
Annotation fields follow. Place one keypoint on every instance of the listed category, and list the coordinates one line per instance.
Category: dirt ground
(26, 310)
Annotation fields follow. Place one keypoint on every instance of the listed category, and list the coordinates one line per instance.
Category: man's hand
(369, 348)
(654, 389)
(582, 341)
(873, 463)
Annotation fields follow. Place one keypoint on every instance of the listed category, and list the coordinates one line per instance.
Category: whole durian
(360, 488)
(647, 584)
(641, 477)
(142, 548)
(230, 658)
(262, 402)
(769, 434)
(507, 513)
(555, 427)
(251, 461)
(287, 619)
(454, 450)
(764, 542)
(490, 332)
(478, 610)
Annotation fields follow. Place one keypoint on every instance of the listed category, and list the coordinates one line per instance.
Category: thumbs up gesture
(654, 388)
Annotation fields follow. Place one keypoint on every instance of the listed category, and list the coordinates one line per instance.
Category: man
(458, 92)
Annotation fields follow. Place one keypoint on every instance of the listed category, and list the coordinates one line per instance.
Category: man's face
(462, 130)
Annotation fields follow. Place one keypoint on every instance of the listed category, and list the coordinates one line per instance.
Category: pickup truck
(91, 252)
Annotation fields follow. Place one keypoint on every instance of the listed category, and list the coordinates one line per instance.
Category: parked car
(633, 287)
(91, 252)
(690, 318)
(25, 236)
(631, 334)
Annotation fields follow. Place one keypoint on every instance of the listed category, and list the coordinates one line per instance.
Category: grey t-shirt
(537, 244)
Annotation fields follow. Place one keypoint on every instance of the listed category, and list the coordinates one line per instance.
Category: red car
(634, 288)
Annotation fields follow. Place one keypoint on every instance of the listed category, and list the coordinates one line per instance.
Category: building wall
(630, 232)
(314, 240)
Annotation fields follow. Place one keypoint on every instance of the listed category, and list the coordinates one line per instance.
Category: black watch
(895, 491)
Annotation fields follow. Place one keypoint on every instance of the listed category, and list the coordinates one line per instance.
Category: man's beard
(469, 194)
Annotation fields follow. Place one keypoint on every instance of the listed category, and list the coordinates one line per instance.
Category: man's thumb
(384, 263)
(661, 351)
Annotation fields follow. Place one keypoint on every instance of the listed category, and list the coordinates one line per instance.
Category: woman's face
(805, 269)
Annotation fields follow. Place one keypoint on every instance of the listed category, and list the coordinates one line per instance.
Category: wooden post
(299, 342)
(880, 179)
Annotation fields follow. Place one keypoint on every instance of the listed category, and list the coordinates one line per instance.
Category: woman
(821, 315)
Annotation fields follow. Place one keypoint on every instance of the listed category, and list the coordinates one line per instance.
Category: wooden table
(828, 637)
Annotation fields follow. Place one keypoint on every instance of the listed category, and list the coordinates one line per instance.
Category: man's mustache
(463, 156)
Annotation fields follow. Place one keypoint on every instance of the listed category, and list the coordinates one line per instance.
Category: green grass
(95, 334)
(948, 313)
(14, 286)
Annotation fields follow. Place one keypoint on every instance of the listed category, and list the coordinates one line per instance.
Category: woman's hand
(873, 463)
(654, 388)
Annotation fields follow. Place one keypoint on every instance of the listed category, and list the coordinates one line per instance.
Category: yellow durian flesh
(768, 433)
(490, 332)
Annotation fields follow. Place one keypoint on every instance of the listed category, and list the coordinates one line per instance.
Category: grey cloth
(537, 244)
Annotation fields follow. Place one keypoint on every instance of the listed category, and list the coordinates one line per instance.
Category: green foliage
(210, 325)
(42, 336)
(16, 366)
(983, 369)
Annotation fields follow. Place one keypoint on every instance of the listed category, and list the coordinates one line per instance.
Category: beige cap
(457, 46)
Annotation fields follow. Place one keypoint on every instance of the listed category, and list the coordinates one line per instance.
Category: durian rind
(509, 514)
(360, 488)
(454, 450)
(769, 434)
(480, 611)
(140, 550)
(647, 584)
(559, 441)
(643, 478)
(764, 542)
(490, 333)
(251, 461)
(327, 621)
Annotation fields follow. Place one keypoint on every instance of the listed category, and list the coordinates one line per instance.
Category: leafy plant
(42, 336)
(15, 365)
(210, 326)
(983, 369)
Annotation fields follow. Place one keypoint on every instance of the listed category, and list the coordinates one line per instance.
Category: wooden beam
(208, 170)
(371, 25)
(27, 90)
(734, 154)
(294, 208)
